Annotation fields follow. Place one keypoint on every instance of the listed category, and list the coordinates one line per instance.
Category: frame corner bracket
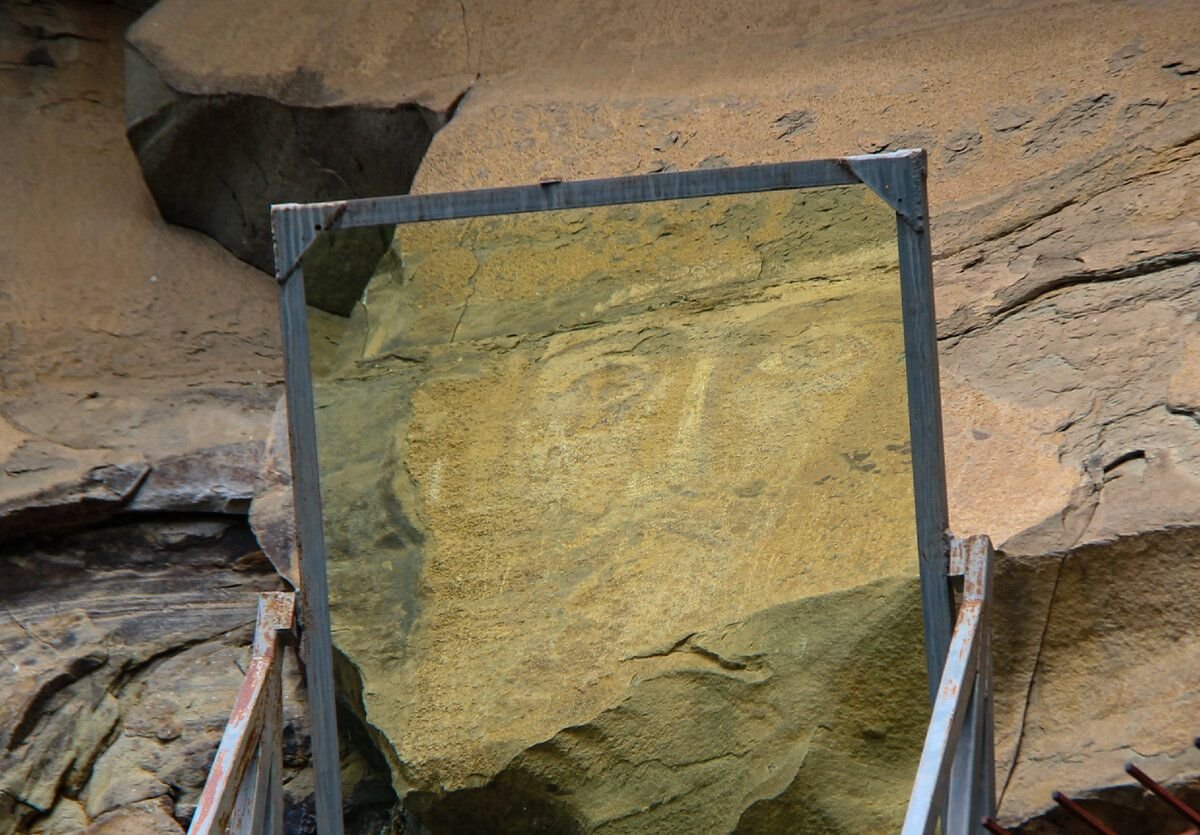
(901, 186)
(295, 229)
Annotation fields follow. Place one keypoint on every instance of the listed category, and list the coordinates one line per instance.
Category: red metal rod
(1171, 800)
(993, 827)
(1081, 813)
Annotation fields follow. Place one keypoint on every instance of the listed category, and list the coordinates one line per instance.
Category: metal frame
(956, 778)
(243, 794)
(897, 177)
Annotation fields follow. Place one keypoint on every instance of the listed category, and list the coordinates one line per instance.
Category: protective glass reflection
(572, 458)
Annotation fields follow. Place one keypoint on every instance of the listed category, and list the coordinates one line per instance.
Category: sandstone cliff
(139, 365)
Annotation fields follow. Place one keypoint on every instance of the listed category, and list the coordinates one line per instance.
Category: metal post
(244, 781)
(271, 821)
(925, 414)
(962, 799)
(986, 785)
(293, 231)
(953, 779)
(971, 795)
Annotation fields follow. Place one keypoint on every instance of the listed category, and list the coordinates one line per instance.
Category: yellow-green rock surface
(619, 510)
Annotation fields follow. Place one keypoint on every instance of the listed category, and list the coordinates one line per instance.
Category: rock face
(1067, 268)
(1120, 604)
(216, 162)
(222, 134)
(139, 368)
(591, 451)
(1100, 292)
(126, 343)
(120, 646)
(803, 717)
(123, 650)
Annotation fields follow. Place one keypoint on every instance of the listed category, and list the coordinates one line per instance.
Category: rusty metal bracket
(244, 790)
(1076, 810)
(955, 779)
(1089, 820)
(1162, 793)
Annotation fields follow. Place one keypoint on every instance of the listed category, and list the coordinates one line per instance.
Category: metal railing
(1155, 788)
(956, 778)
(244, 790)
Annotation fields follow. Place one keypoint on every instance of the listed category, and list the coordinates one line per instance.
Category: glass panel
(568, 456)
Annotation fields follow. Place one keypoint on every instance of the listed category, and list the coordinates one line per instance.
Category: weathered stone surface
(1066, 288)
(1085, 318)
(217, 480)
(802, 718)
(221, 480)
(271, 515)
(138, 370)
(101, 492)
(121, 650)
(216, 163)
(124, 341)
(221, 134)
(1113, 677)
(570, 444)
(152, 817)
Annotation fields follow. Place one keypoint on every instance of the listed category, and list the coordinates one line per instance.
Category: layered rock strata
(1066, 243)
(135, 354)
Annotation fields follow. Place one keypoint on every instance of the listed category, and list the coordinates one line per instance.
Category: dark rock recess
(216, 162)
